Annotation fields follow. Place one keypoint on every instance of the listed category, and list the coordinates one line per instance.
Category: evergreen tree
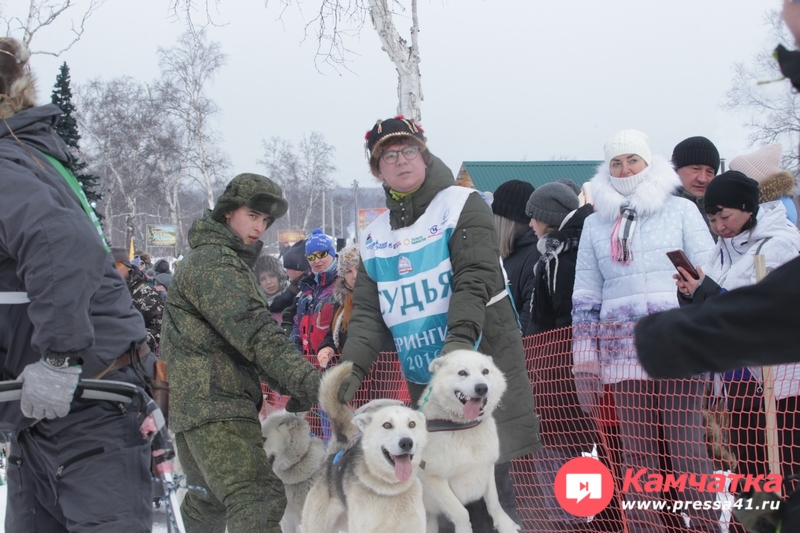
(67, 129)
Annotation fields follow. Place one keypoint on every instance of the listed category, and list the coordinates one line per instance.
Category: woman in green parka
(456, 299)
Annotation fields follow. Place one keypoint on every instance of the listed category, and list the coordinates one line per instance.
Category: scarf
(342, 318)
(622, 235)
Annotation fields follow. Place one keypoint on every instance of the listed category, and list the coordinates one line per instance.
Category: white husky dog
(462, 443)
(370, 483)
(297, 458)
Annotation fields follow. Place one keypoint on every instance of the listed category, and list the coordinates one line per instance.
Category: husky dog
(370, 483)
(297, 458)
(462, 443)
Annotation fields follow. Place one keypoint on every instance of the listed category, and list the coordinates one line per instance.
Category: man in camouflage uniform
(145, 298)
(220, 341)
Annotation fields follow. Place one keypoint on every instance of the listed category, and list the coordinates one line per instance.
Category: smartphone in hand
(679, 259)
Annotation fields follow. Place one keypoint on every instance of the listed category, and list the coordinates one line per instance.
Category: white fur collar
(648, 197)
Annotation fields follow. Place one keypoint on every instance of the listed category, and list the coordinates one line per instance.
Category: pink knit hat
(758, 165)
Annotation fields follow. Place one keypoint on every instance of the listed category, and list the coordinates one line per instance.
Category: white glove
(590, 390)
(47, 390)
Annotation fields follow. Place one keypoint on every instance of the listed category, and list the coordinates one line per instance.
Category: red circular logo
(584, 486)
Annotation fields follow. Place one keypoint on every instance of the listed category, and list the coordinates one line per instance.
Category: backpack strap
(72, 181)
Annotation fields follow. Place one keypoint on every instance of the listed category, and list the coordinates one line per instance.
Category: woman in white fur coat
(623, 274)
(746, 229)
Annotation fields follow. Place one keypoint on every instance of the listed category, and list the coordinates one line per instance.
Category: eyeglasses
(390, 156)
(318, 255)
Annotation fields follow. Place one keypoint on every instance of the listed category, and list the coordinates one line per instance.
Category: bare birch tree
(125, 134)
(772, 109)
(302, 174)
(187, 69)
(43, 14)
(335, 21)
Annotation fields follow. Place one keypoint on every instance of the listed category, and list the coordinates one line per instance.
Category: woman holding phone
(747, 229)
(623, 274)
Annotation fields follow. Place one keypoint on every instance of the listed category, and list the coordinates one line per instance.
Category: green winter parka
(477, 277)
(219, 338)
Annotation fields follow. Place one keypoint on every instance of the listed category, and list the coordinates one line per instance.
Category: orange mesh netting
(668, 443)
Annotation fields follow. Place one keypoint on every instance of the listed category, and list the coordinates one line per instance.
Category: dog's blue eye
(485, 371)
(387, 425)
(463, 373)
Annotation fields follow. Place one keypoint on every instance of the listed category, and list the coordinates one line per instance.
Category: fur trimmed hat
(695, 151)
(629, 142)
(17, 84)
(510, 199)
(349, 256)
(759, 164)
(268, 263)
(387, 130)
(256, 192)
(764, 166)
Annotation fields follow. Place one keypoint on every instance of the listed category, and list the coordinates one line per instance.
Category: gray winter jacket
(79, 304)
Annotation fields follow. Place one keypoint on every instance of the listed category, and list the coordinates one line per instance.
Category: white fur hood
(648, 197)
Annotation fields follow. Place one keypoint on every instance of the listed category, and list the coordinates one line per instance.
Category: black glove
(351, 384)
(298, 406)
(310, 390)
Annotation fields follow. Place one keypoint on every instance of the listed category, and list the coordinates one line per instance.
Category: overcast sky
(502, 80)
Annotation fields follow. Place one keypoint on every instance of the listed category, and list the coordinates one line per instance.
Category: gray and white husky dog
(297, 458)
(370, 483)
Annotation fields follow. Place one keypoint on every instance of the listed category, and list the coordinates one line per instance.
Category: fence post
(768, 380)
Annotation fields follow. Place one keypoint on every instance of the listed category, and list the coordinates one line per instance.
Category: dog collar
(448, 425)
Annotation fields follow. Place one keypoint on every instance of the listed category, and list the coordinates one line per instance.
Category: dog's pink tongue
(402, 467)
(472, 409)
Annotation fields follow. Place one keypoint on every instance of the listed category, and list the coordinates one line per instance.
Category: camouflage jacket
(219, 338)
(150, 304)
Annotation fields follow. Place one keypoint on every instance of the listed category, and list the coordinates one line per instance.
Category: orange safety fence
(677, 450)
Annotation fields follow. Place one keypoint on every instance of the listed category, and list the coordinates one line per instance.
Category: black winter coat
(563, 423)
(519, 269)
(554, 276)
(750, 326)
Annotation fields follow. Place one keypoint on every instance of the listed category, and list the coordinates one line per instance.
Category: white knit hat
(758, 165)
(629, 142)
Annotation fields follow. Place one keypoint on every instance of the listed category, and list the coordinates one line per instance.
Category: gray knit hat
(551, 203)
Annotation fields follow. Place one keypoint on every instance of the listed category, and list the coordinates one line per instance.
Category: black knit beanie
(695, 151)
(295, 257)
(510, 199)
(732, 189)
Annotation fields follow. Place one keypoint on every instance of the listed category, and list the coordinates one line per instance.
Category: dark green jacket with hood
(477, 277)
(219, 338)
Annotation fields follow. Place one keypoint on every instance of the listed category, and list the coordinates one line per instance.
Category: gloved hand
(351, 384)
(590, 390)
(47, 390)
(298, 406)
(300, 403)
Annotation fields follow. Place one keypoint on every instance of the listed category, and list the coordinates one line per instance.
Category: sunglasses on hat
(317, 255)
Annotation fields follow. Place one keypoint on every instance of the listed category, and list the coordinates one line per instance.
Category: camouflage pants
(227, 459)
